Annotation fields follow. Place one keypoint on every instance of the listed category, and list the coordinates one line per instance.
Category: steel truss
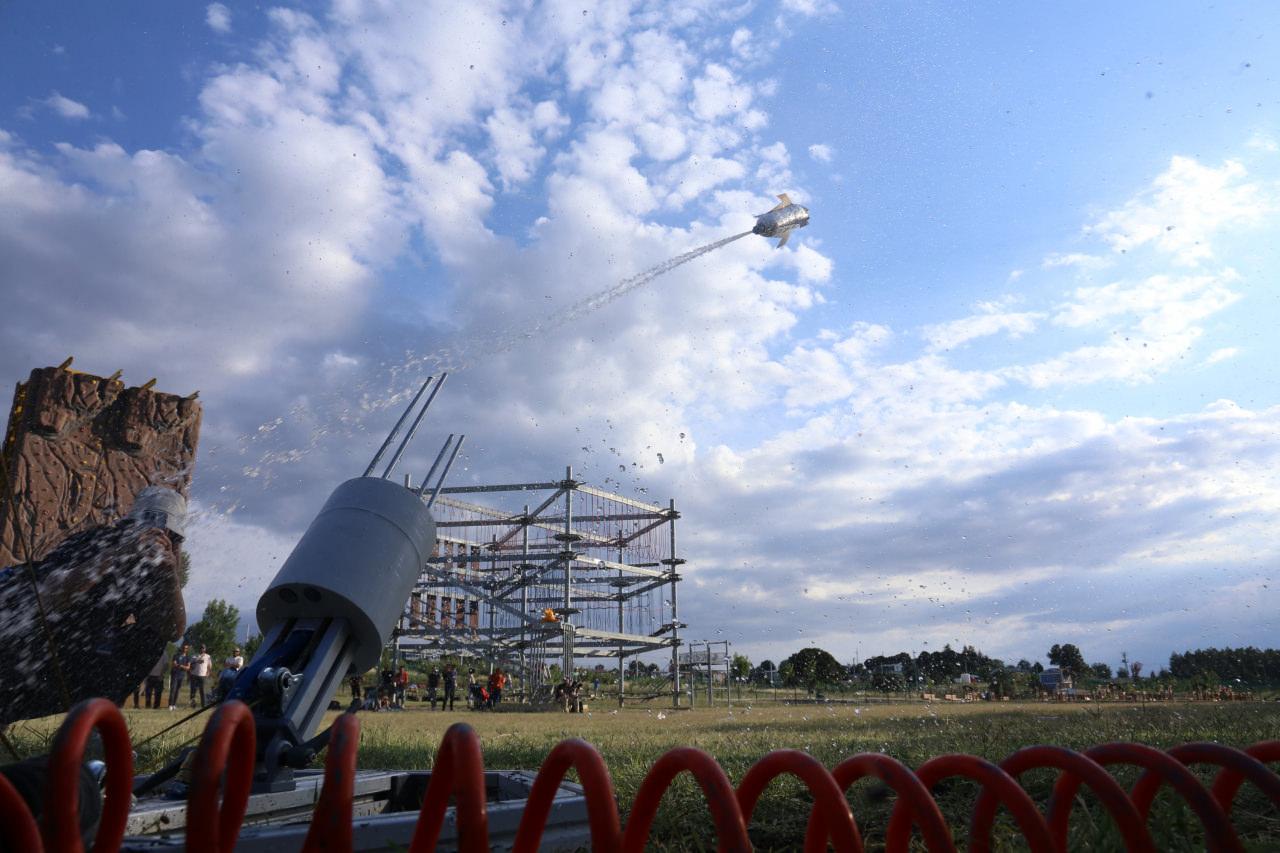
(584, 574)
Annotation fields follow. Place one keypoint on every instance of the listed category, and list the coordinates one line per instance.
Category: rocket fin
(782, 241)
(784, 200)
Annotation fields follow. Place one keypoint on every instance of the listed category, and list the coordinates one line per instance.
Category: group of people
(568, 694)
(449, 681)
(388, 695)
(190, 669)
(485, 696)
(441, 687)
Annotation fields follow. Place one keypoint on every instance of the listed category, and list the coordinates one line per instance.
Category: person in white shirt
(235, 661)
(200, 665)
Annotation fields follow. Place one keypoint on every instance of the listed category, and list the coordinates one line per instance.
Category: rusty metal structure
(546, 572)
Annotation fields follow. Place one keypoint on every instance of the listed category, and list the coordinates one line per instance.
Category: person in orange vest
(496, 682)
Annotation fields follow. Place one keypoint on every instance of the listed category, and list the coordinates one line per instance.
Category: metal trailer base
(384, 815)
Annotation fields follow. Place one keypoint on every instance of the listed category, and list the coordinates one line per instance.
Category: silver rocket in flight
(781, 220)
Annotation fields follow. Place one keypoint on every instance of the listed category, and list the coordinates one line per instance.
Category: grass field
(630, 740)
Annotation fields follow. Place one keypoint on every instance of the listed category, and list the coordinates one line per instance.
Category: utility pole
(622, 675)
(673, 562)
(525, 681)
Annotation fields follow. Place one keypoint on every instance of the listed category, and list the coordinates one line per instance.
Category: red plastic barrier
(924, 811)
(602, 809)
(1234, 764)
(61, 824)
(228, 745)
(1220, 835)
(994, 781)
(227, 750)
(458, 770)
(1074, 766)
(829, 799)
(1228, 782)
(722, 800)
(331, 823)
(18, 827)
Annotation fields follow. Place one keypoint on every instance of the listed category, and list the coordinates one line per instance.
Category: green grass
(632, 739)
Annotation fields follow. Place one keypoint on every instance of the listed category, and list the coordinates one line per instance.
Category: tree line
(812, 667)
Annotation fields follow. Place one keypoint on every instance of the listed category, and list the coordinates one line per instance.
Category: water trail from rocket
(343, 415)
(476, 346)
(585, 306)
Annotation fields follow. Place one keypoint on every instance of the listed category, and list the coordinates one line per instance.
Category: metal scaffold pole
(711, 679)
(622, 675)
(566, 667)
(673, 561)
(524, 604)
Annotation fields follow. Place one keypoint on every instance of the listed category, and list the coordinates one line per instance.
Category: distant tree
(1122, 672)
(251, 646)
(888, 681)
(1101, 670)
(811, 667)
(1024, 665)
(216, 629)
(740, 668)
(1002, 683)
(1136, 668)
(1037, 667)
(1068, 658)
(1248, 665)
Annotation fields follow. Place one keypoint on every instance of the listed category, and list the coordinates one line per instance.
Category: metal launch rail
(224, 764)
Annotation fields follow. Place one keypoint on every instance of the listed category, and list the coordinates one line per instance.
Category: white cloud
(821, 153)
(953, 333)
(1184, 209)
(1221, 354)
(65, 107)
(1263, 142)
(218, 17)
(810, 8)
(1075, 259)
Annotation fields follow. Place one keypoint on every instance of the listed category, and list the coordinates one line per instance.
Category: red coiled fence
(224, 761)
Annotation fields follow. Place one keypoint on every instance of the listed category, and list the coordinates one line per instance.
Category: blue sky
(1015, 385)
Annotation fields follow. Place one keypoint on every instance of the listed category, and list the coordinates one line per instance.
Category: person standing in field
(200, 666)
(234, 661)
(178, 669)
(355, 688)
(450, 686)
(155, 684)
(402, 685)
(433, 684)
(495, 688)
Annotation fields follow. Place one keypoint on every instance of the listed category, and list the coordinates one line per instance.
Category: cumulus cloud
(66, 107)
(218, 17)
(953, 333)
(1081, 260)
(821, 153)
(810, 8)
(1185, 208)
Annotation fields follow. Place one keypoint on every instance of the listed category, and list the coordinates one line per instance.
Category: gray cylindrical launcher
(357, 562)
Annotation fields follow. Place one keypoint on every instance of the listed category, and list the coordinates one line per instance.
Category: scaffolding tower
(585, 574)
